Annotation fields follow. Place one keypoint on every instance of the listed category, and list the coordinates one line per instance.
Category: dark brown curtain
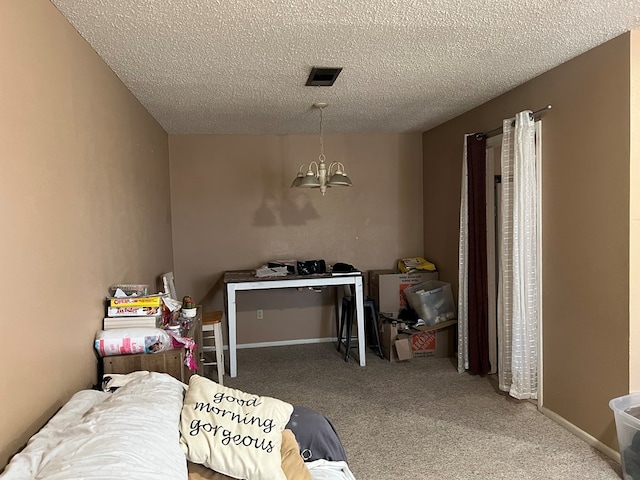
(478, 295)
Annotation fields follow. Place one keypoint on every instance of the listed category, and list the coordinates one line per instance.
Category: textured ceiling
(239, 66)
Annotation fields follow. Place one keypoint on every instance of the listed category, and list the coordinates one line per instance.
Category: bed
(149, 425)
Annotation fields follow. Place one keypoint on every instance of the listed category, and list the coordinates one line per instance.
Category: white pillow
(233, 432)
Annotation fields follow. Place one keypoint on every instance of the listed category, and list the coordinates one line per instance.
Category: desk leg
(360, 315)
(231, 318)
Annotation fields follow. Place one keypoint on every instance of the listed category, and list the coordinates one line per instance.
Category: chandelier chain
(321, 157)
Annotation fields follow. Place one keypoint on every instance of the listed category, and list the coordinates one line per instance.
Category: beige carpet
(420, 419)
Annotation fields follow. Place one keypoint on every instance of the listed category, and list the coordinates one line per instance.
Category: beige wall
(233, 208)
(84, 204)
(585, 244)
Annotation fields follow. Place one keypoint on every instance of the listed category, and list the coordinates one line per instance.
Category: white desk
(245, 280)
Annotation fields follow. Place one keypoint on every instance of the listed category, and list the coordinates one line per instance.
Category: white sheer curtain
(519, 275)
(463, 271)
(505, 261)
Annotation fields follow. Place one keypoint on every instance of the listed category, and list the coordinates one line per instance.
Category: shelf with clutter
(154, 332)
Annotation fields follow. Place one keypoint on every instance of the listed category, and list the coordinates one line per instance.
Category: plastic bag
(123, 341)
(415, 264)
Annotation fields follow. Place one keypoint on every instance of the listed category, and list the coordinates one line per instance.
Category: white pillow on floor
(233, 432)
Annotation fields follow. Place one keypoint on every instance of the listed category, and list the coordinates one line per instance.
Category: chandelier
(319, 175)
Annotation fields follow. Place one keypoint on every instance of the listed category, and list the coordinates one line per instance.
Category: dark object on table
(309, 267)
(343, 268)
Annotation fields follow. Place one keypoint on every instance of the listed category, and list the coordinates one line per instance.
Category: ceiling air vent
(322, 77)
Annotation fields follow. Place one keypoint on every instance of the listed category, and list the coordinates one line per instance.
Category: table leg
(360, 316)
(231, 318)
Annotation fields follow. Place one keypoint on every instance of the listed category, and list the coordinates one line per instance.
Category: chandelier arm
(311, 170)
(339, 167)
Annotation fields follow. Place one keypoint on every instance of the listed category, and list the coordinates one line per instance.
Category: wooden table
(245, 280)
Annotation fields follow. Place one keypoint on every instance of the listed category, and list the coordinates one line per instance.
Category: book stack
(265, 271)
(128, 312)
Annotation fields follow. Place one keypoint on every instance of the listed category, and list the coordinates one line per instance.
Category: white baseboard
(594, 442)
(282, 343)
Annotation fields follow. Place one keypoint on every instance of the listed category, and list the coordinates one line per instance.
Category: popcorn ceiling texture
(220, 66)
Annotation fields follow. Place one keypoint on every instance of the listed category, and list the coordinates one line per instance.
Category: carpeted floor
(420, 419)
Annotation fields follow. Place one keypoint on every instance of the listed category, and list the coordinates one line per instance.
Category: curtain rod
(498, 131)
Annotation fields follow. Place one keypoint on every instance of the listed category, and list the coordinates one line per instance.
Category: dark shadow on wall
(267, 214)
(284, 211)
(214, 298)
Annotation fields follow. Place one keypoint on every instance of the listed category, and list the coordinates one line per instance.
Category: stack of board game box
(126, 312)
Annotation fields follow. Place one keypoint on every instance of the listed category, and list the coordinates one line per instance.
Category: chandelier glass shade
(320, 174)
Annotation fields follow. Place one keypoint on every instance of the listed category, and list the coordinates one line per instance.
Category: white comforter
(132, 433)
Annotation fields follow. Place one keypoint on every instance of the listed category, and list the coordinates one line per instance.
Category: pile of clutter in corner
(139, 322)
(417, 313)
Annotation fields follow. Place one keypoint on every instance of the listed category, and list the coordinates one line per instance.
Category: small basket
(130, 289)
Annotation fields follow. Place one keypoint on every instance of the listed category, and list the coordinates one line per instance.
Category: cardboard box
(403, 347)
(388, 337)
(424, 344)
(400, 344)
(386, 286)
